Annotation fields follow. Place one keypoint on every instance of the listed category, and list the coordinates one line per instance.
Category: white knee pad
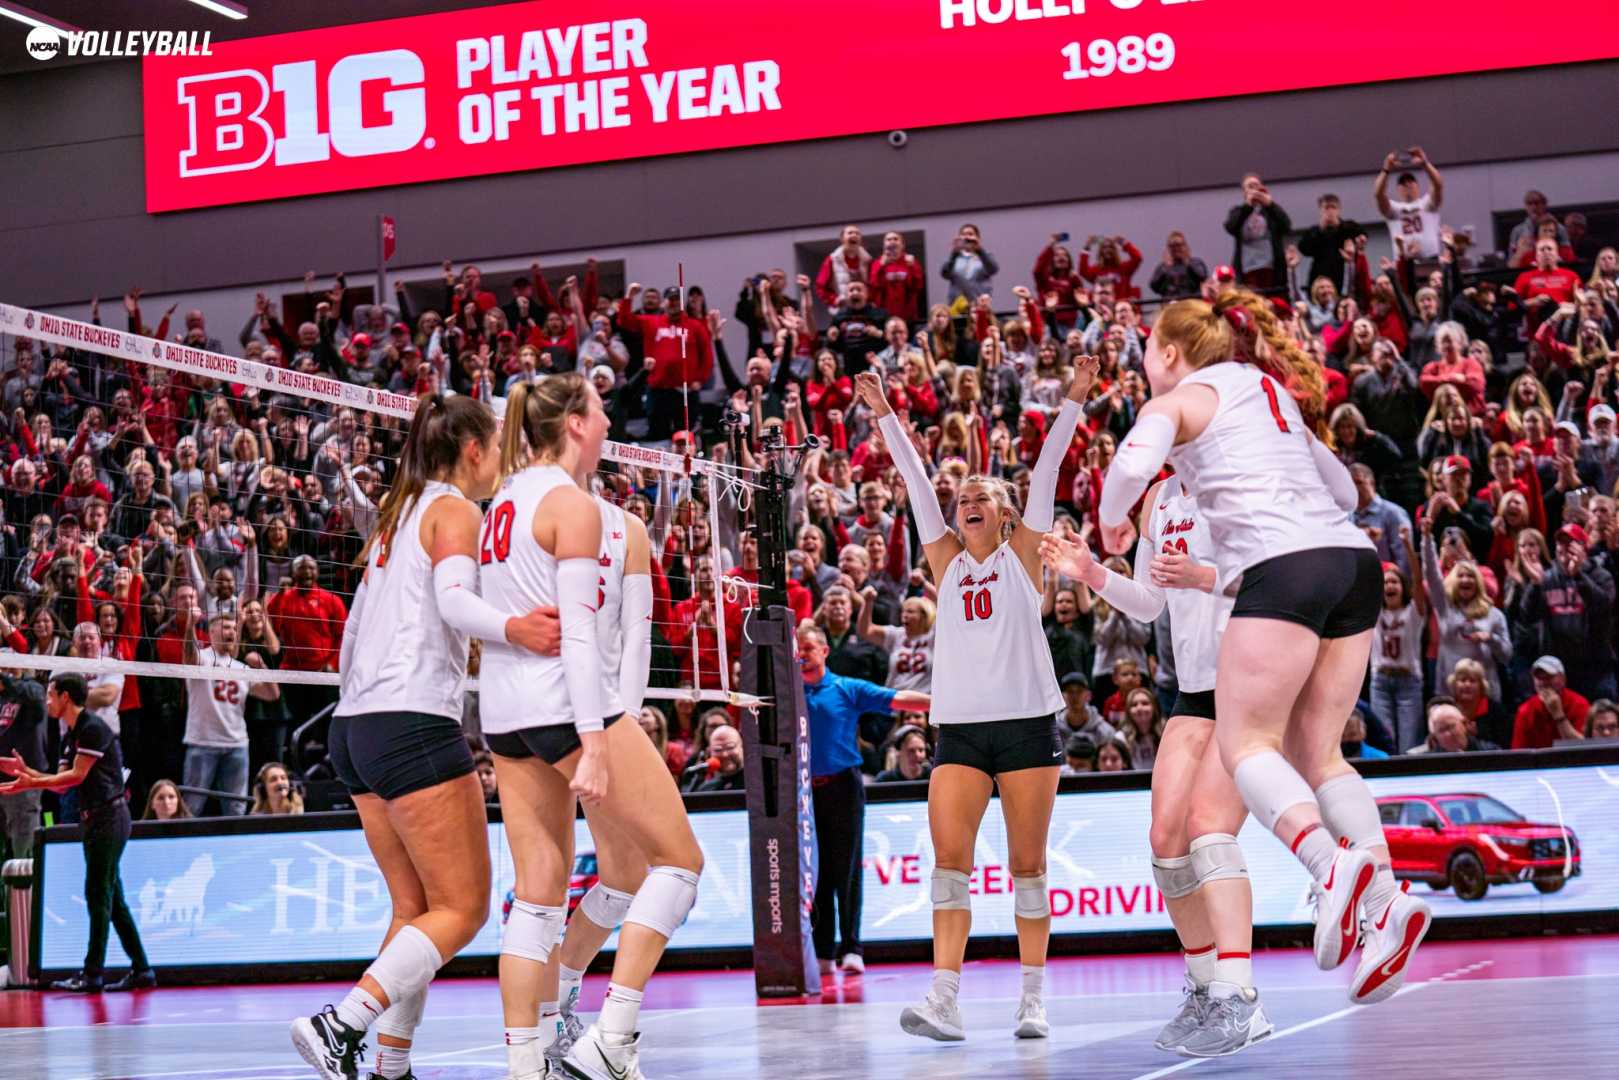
(1270, 787)
(1217, 857)
(406, 965)
(605, 907)
(1175, 877)
(1030, 900)
(950, 891)
(532, 931)
(401, 1019)
(1349, 810)
(664, 900)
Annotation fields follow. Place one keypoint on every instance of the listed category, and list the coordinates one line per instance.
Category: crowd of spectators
(157, 516)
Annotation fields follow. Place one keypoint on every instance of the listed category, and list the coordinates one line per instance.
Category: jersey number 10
(977, 604)
(497, 534)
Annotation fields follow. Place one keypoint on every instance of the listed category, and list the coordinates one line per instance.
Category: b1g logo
(228, 132)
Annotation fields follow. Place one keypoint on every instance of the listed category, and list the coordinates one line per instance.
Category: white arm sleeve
(1040, 513)
(351, 629)
(455, 583)
(1135, 466)
(581, 659)
(1336, 474)
(635, 620)
(1136, 596)
(930, 524)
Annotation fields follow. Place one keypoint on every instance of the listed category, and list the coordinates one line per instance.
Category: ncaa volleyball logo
(28, 321)
(44, 43)
(157, 349)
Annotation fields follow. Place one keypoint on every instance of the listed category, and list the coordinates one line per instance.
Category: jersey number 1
(497, 534)
(978, 604)
(1275, 406)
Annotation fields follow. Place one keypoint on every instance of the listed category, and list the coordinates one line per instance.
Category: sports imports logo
(47, 43)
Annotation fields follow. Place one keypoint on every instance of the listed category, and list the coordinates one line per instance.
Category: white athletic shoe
(330, 1046)
(1337, 906)
(572, 1028)
(1031, 1018)
(1232, 1019)
(599, 1057)
(1194, 1002)
(1389, 945)
(933, 1019)
(854, 964)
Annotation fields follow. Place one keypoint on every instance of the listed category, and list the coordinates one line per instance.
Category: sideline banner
(316, 896)
(538, 85)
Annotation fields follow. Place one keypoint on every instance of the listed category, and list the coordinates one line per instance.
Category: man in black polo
(91, 762)
(22, 732)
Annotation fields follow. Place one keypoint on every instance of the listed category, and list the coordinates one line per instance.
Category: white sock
(1316, 850)
(1034, 979)
(359, 1010)
(1200, 967)
(1381, 892)
(621, 1009)
(569, 982)
(946, 984)
(1349, 809)
(1236, 968)
(392, 1061)
(550, 1022)
(524, 1051)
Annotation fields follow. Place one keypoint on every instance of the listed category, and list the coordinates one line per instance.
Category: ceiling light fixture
(31, 18)
(223, 7)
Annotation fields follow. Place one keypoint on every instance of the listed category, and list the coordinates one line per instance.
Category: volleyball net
(154, 489)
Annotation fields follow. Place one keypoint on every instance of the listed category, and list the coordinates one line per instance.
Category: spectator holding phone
(1259, 228)
(1413, 218)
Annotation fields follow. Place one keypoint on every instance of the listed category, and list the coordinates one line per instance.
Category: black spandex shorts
(550, 744)
(1337, 592)
(1199, 703)
(395, 753)
(1001, 746)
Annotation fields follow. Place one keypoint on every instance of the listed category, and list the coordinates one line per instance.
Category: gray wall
(74, 224)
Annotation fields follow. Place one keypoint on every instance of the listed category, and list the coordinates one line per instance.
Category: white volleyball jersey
(519, 689)
(910, 659)
(610, 589)
(216, 716)
(1416, 223)
(1397, 641)
(1196, 618)
(991, 660)
(406, 658)
(1255, 480)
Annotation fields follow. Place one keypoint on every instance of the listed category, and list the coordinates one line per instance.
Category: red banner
(390, 238)
(538, 85)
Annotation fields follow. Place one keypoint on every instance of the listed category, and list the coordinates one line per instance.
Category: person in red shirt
(1546, 285)
(309, 621)
(896, 281)
(1555, 712)
(696, 614)
(1454, 366)
(679, 358)
(468, 287)
(1117, 261)
(849, 261)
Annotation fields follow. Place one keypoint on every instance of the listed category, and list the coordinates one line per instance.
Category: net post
(781, 816)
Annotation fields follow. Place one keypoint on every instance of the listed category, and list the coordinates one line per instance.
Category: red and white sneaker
(1337, 906)
(1389, 944)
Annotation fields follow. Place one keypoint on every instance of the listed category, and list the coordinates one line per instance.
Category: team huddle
(1272, 595)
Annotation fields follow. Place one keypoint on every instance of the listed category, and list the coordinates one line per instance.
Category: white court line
(1330, 1017)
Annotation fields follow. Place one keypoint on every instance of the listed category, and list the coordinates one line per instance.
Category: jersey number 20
(497, 534)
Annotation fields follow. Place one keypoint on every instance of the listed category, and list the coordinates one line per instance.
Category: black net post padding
(771, 503)
(781, 816)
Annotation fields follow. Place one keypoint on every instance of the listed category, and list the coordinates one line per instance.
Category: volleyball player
(396, 740)
(1196, 809)
(624, 636)
(995, 698)
(553, 728)
(1231, 393)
